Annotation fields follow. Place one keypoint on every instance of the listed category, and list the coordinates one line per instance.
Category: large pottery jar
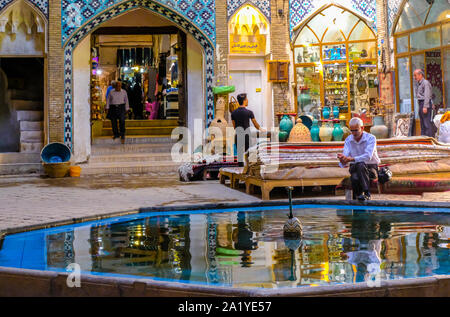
(315, 130)
(346, 130)
(300, 133)
(326, 112)
(304, 98)
(338, 133)
(286, 126)
(379, 129)
(326, 131)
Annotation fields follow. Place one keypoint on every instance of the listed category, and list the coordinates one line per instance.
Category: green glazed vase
(338, 133)
(315, 130)
(286, 126)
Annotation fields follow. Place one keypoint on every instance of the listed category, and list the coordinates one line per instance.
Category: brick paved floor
(26, 201)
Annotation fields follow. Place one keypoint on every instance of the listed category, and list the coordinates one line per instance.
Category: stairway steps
(31, 125)
(156, 168)
(31, 147)
(130, 148)
(26, 115)
(27, 105)
(18, 158)
(144, 123)
(131, 131)
(22, 168)
(24, 94)
(31, 136)
(132, 157)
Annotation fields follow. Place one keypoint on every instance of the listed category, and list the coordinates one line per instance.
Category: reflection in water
(247, 249)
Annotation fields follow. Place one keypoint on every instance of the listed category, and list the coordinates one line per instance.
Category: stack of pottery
(326, 131)
(379, 129)
(286, 126)
(300, 133)
(338, 133)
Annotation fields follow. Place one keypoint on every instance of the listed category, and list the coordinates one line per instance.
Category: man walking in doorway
(241, 122)
(423, 95)
(117, 106)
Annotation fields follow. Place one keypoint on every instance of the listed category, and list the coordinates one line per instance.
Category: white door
(250, 82)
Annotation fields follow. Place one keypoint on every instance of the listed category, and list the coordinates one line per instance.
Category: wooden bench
(233, 174)
(267, 185)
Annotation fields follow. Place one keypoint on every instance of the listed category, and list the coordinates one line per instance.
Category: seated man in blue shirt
(360, 151)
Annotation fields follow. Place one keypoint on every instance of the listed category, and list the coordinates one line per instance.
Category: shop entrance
(150, 63)
(249, 82)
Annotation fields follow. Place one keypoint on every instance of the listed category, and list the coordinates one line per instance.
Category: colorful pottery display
(326, 112)
(300, 133)
(307, 120)
(286, 126)
(338, 133)
(379, 129)
(326, 131)
(315, 131)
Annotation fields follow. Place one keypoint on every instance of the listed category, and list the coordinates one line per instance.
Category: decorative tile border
(80, 33)
(262, 5)
(300, 9)
(393, 11)
(75, 13)
(42, 5)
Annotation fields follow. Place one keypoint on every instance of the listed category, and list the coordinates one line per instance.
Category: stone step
(134, 157)
(19, 104)
(17, 158)
(31, 125)
(131, 131)
(31, 147)
(31, 136)
(21, 168)
(24, 94)
(137, 139)
(130, 148)
(153, 168)
(144, 123)
(25, 115)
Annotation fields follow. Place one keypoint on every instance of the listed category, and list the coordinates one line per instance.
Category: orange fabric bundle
(445, 117)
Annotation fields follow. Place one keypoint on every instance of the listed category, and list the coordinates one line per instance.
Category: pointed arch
(112, 12)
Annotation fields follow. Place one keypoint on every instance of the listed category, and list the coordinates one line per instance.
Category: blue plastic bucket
(55, 153)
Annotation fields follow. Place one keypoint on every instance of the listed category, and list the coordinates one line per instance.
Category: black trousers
(138, 109)
(426, 126)
(117, 112)
(361, 175)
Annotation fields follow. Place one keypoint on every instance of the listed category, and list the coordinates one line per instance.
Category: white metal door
(250, 82)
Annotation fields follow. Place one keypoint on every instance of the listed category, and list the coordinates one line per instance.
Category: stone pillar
(280, 49)
(222, 47)
(55, 74)
(384, 58)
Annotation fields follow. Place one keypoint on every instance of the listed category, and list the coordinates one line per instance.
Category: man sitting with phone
(360, 152)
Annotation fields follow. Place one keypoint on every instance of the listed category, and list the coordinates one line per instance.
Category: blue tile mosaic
(262, 5)
(300, 9)
(75, 13)
(42, 5)
(182, 21)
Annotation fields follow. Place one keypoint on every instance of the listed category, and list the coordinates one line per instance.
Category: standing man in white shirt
(424, 97)
(360, 152)
(117, 105)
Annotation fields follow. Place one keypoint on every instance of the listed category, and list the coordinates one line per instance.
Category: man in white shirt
(117, 106)
(360, 151)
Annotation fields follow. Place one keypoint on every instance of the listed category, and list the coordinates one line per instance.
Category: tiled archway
(114, 11)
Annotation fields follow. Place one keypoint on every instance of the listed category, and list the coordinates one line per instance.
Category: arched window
(334, 53)
(248, 31)
(422, 41)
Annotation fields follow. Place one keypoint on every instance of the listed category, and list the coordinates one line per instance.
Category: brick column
(55, 74)
(222, 47)
(280, 49)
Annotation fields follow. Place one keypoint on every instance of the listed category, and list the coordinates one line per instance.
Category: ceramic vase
(286, 126)
(326, 112)
(345, 129)
(300, 133)
(379, 129)
(315, 131)
(326, 131)
(336, 112)
(338, 133)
